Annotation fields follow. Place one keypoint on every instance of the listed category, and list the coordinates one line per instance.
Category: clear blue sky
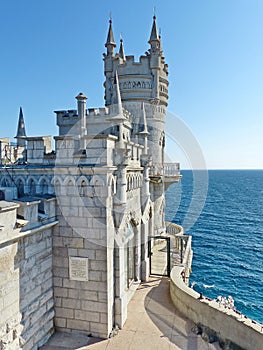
(52, 49)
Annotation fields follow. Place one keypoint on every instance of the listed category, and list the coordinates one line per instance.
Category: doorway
(159, 255)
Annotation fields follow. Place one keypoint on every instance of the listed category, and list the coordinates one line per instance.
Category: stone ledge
(226, 323)
(23, 234)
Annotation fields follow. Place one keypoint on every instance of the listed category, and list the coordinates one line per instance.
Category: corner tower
(144, 81)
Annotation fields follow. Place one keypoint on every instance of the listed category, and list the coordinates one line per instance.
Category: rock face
(210, 336)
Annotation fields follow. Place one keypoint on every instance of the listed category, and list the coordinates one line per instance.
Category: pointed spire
(110, 43)
(21, 130)
(117, 109)
(144, 133)
(154, 32)
(116, 105)
(144, 121)
(121, 50)
(118, 96)
(160, 39)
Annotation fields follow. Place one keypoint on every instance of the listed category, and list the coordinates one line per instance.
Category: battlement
(130, 60)
(67, 113)
(37, 147)
(130, 66)
(104, 111)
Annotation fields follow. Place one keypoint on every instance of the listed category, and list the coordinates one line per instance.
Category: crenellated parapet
(138, 80)
(67, 120)
(141, 80)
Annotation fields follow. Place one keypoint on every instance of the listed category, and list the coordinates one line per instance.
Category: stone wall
(80, 305)
(232, 329)
(26, 295)
(85, 234)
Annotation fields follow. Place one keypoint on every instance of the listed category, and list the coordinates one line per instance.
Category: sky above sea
(51, 50)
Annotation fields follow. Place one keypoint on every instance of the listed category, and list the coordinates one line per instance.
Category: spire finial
(110, 43)
(144, 121)
(154, 13)
(121, 50)
(110, 20)
(144, 133)
(118, 95)
(21, 130)
(154, 32)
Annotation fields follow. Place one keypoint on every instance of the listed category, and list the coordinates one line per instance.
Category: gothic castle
(76, 221)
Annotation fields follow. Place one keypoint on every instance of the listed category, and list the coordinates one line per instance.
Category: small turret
(154, 40)
(121, 50)
(116, 108)
(154, 32)
(144, 133)
(110, 43)
(81, 98)
(118, 97)
(21, 130)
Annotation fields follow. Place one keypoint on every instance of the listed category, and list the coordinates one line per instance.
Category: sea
(223, 211)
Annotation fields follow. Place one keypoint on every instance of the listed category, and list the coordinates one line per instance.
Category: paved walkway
(152, 324)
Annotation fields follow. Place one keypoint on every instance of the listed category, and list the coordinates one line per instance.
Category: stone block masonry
(80, 306)
(26, 295)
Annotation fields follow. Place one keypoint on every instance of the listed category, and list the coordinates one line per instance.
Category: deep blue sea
(227, 234)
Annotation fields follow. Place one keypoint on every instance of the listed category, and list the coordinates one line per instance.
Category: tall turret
(154, 42)
(21, 130)
(144, 82)
(108, 64)
(154, 37)
(144, 132)
(110, 43)
(81, 98)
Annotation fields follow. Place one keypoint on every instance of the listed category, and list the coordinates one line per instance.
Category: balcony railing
(174, 229)
(166, 169)
(181, 248)
(171, 169)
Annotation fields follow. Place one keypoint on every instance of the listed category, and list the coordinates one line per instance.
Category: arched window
(70, 188)
(5, 183)
(20, 188)
(32, 187)
(44, 186)
(83, 189)
(57, 187)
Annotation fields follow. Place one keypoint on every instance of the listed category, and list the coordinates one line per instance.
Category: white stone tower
(144, 81)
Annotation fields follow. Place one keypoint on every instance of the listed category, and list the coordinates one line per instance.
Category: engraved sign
(78, 268)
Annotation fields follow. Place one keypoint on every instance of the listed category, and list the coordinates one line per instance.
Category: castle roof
(110, 37)
(154, 32)
(21, 130)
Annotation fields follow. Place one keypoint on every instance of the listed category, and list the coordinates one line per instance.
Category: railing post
(182, 246)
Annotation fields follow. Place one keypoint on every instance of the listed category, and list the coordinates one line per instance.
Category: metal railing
(166, 169)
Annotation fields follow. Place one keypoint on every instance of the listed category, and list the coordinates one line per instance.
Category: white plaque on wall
(78, 268)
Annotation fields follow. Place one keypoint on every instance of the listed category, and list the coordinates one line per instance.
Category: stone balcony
(181, 249)
(167, 172)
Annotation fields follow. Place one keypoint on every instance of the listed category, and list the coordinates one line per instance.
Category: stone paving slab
(153, 324)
